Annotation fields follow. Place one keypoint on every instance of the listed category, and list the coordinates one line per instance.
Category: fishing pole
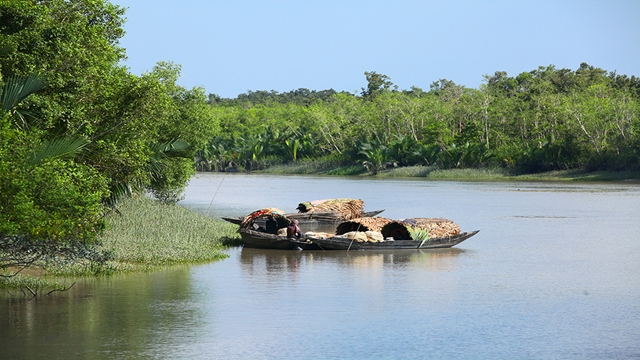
(214, 195)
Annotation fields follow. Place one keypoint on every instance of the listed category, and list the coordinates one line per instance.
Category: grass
(307, 166)
(24, 283)
(503, 174)
(582, 175)
(323, 167)
(145, 236)
(149, 233)
(350, 170)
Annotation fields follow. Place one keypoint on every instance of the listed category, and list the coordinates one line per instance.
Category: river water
(553, 274)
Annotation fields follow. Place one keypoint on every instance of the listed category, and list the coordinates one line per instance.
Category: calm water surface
(553, 274)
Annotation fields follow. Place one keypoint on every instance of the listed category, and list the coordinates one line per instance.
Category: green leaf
(419, 234)
(66, 147)
(17, 88)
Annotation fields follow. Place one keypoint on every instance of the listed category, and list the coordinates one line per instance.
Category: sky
(235, 46)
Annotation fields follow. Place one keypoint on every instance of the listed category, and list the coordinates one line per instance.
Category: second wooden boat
(343, 243)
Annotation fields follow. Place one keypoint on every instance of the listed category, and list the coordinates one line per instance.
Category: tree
(94, 132)
(540, 120)
(376, 84)
(50, 205)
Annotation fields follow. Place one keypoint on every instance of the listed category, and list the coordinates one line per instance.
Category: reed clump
(145, 235)
(300, 167)
(22, 282)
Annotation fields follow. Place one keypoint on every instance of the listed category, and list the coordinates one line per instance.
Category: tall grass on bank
(582, 175)
(306, 166)
(321, 167)
(433, 172)
(408, 171)
(145, 235)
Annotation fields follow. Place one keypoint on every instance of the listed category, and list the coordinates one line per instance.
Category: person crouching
(293, 230)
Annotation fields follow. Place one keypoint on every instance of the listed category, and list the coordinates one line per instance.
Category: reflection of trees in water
(125, 315)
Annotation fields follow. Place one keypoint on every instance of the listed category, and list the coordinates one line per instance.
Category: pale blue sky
(230, 47)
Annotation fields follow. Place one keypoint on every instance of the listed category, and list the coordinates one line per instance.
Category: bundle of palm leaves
(362, 224)
(434, 227)
(347, 208)
(418, 234)
(437, 227)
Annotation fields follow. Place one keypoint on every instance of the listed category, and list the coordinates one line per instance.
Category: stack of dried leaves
(362, 224)
(437, 227)
(347, 208)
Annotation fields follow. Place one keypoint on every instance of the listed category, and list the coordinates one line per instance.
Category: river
(553, 274)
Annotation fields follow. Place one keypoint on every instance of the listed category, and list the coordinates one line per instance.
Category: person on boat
(293, 230)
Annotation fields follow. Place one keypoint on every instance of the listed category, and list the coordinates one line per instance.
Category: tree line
(78, 131)
(541, 120)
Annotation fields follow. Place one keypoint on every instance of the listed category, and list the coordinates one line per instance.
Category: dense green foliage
(542, 120)
(77, 130)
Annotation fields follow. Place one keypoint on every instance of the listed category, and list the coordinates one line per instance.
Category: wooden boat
(311, 218)
(262, 240)
(343, 243)
(260, 229)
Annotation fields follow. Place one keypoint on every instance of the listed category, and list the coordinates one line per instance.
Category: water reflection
(277, 262)
(258, 261)
(111, 317)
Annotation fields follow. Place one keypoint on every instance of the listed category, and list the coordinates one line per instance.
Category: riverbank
(433, 172)
(142, 235)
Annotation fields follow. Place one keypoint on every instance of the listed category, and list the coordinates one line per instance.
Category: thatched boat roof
(362, 224)
(347, 208)
(266, 213)
(438, 227)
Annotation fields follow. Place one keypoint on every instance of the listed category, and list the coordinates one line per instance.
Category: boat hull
(260, 240)
(256, 239)
(340, 243)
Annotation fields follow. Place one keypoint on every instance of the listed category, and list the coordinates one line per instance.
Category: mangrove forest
(79, 132)
(541, 120)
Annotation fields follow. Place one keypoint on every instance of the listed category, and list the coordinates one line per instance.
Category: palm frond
(118, 191)
(5, 49)
(162, 151)
(17, 88)
(174, 148)
(419, 234)
(66, 147)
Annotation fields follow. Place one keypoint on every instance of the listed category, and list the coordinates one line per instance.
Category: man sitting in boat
(293, 230)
